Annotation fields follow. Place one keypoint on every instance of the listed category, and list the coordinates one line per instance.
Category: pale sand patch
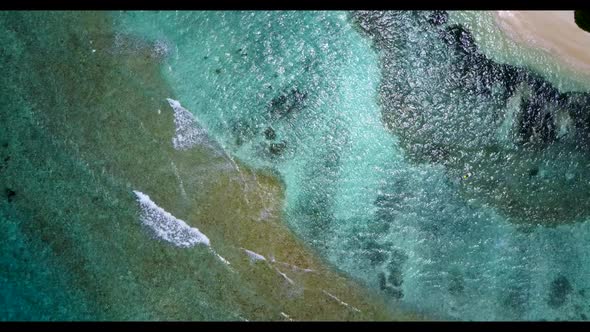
(554, 32)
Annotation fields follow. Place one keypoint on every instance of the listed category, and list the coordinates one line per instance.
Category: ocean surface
(289, 165)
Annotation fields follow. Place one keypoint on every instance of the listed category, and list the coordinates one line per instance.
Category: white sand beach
(554, 32)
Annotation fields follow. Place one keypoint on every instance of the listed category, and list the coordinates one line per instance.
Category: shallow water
(288, 165)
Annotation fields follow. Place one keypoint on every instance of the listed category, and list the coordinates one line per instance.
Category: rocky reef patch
(505, 135)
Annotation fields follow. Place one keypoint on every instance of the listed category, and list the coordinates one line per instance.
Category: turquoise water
(334, 143)
(449, 184)
(350, 189)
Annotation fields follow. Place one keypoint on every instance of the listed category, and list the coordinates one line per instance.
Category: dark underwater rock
(559, 291)
(287, 103)
(277, 149)
(448, 103)
(388, 289)
(388, 206)
(460, 39)
(270, 134)
(536, 124)
(391, 280)
(397, 259)
(376, 253)
(6, 160)
(438, 17)
(10, 194)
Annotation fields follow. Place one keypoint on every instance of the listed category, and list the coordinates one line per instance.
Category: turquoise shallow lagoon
(287, 165)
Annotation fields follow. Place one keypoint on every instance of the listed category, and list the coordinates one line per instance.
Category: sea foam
(166, 226)
(254, 256)
(188, 131)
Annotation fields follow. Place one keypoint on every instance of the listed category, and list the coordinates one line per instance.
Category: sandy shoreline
(554, 32)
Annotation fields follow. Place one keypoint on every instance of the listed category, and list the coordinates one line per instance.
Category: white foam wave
(296, 268)
(166, 226)
(291, 266)
(286, 316)
(223, 260)
(340, 301)
(188, 131)
(284, 275)
(254, 256)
